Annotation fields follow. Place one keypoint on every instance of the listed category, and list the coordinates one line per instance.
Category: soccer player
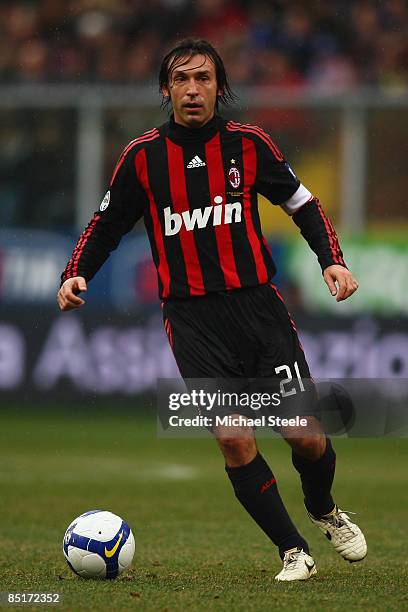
(195, 181)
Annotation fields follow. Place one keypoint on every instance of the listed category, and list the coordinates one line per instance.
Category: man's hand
(346, 283)
(67, 297)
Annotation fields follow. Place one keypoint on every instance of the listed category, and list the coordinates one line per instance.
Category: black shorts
(243, 339)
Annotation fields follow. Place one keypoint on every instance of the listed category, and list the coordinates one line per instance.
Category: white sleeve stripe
(299, 198)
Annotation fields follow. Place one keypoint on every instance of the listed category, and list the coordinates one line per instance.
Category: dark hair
(182, 54)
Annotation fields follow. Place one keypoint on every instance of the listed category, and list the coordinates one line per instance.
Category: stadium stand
(325, 45)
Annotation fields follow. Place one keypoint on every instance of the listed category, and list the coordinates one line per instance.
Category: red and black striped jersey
(196, 189)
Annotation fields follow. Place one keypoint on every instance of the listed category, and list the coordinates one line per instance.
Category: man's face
(193, 91)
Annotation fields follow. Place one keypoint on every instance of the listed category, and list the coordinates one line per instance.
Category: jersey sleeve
(123, 205)
(277, 182)
(275, 179)
(320, 234)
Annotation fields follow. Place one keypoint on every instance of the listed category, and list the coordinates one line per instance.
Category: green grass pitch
(196, 548)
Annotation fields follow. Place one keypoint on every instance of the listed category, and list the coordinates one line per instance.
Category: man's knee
(237, 451)
(311, 448)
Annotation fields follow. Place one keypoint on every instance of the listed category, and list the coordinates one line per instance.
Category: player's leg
(201, 352)
(283, 356)
(315, 464)
(314, 458)
(255, 487)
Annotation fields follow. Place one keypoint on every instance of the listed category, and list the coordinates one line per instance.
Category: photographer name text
(237, 421)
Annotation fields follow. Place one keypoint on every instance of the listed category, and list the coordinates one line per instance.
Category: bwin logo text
(200, 217)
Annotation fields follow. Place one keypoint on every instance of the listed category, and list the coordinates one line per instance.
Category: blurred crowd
(330, 45)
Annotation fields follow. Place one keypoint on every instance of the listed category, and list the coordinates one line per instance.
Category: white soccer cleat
(297, 565)
(346, 537)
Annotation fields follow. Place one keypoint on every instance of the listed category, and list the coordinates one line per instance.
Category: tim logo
(234, 177)
(200, 217)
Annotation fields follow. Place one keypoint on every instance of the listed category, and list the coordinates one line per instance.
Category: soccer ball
(98, 544)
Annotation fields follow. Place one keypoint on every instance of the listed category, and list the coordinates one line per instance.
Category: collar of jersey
(181, 133)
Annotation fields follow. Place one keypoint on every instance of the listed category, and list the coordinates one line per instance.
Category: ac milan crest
(234, 177)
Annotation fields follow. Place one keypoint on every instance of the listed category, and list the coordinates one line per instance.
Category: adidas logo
(196, 162)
